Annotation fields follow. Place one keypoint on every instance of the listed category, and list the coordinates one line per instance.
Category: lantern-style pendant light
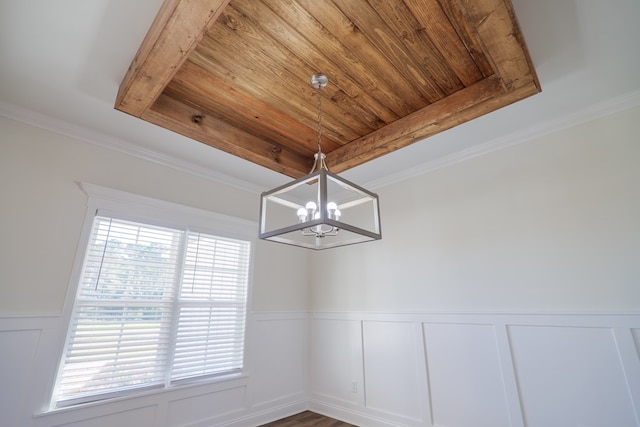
(320, 210)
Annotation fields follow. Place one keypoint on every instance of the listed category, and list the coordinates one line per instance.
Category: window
(155, 305)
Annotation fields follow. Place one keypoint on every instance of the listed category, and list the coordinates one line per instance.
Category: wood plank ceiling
(235, 74)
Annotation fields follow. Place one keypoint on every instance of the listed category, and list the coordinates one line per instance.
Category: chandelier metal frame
(322, 217)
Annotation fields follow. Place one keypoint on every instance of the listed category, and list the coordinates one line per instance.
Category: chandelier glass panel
(321, 210)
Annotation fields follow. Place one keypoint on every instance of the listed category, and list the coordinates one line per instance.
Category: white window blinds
(209, 337)
(154, 305)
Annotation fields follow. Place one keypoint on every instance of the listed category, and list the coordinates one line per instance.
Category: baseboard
(350, 416)
(269, 415)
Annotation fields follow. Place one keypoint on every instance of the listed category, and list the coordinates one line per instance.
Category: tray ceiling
(235, 74)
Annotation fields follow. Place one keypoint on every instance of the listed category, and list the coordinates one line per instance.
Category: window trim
(135, 207)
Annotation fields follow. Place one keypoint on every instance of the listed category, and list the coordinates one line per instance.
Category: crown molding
(594, 112)
(591, 113)
(89, 136)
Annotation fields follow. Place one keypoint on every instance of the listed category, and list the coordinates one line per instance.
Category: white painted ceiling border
(103, 140)
(594, 112)
(600, 110)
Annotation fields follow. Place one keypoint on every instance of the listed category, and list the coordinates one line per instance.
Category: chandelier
(320, 210)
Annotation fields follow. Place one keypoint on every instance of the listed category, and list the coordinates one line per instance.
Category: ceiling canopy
(235, 74)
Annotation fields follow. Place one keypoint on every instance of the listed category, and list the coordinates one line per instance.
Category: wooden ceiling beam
(174, 34)
(467, 104)
(192, 123)
(498, 33)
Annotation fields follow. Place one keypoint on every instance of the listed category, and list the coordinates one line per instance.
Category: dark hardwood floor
(307, 419)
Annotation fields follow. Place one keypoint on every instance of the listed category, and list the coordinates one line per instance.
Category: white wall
(42, 209)
(551, 224)
(505, 292)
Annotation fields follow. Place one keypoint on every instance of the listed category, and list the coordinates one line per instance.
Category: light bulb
(332, 208)
(337, 214)
(311, 206)
(302, 214)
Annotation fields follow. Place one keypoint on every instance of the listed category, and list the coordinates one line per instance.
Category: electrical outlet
(354, 387)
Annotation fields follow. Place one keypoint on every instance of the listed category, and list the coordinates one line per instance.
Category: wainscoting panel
(142, 417)
(204, 408)
(277, 359)
(493, 370)
(336, 361)
(17, 349)
(393, 366)
(465, 378)
(571, 376)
